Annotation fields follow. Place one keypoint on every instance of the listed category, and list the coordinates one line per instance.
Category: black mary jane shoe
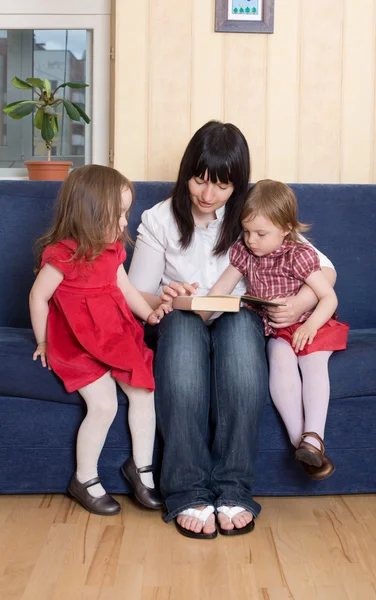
(149, 497)
(104, 505)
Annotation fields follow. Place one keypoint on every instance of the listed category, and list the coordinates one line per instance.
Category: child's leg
(101, 401)
(316, 391)
(286, 386)
(141, 419)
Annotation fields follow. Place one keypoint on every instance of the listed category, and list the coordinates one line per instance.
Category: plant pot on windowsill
(46, 120)
(48, 170)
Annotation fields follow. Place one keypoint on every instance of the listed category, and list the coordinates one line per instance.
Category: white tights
(301, 398)
(101, 401)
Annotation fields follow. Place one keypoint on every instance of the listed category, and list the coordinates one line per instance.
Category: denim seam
(219, 421)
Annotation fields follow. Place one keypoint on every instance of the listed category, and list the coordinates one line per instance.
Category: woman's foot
(198, 522)
(234, 520)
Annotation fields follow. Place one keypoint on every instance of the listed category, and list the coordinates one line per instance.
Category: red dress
(90, 328)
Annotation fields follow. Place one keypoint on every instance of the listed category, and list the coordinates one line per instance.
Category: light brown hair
(277, 202)
(89, 207)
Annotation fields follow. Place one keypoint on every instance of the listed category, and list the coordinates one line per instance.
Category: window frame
(96, 19)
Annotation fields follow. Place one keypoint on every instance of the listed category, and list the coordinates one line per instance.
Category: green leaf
(19, 109)
(9, 107)
(21, 85)
(72, 112)
(36, 82)
(24, 108)
(55, 125)
(47, 129)
(38, 119)
(48, 110)
(76, 85)
(81, 112)
(47, 87)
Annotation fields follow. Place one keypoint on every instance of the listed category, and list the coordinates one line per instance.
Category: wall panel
(303, 96)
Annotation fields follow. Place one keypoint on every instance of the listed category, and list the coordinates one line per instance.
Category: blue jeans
(211, 385)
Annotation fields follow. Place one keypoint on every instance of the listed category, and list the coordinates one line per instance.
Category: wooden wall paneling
(245, 79)
(170, 87)
(358, 92)
(207, 97)
(131, 88)
(320, 91)
(282, 103)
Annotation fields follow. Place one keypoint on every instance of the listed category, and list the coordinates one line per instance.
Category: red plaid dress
(281, 274)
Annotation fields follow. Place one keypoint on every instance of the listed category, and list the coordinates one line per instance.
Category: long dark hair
(221, 151)
(89, 206)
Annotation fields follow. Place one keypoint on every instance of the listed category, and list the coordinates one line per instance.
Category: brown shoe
(104, 505)
(149, 497)
(317, 473)
(308, 453)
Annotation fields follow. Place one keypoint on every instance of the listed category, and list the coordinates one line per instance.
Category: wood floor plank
(316, 548)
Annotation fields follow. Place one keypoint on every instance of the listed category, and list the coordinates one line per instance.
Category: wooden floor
(320, 548)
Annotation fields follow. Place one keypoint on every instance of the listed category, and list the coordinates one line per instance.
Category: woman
(211, 379)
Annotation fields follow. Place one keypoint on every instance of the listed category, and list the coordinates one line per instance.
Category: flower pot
(48, 170)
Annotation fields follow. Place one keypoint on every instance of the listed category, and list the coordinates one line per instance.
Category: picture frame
(244, 16)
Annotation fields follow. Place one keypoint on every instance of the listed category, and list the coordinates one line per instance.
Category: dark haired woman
(211, 379)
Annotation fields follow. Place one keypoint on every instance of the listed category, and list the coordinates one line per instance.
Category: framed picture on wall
(242, 16)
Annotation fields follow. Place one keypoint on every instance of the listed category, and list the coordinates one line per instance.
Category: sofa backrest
(343, 219)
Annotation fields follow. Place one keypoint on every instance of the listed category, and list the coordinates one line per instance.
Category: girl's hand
(174, 289)
(284, 316)
(42, 352)
(155, 317)
(305, 334)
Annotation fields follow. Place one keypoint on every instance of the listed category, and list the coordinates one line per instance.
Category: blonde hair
(89, 207)
(277, 202)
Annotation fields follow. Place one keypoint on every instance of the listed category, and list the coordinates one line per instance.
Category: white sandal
(230, 512)
(203, 515)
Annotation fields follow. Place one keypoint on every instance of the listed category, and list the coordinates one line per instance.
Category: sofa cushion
(21, 377)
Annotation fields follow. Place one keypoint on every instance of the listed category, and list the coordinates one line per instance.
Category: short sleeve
(239, 257)
(151, 232)
(121, 253)
(305, 261)
(324, 260)
(58, 256)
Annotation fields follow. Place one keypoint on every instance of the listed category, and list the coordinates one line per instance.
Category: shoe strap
(203, 515)
(230, 511)
(316, 436)
(147, 469)
(91, 482)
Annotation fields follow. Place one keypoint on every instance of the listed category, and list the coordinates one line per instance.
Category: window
(60, 47)
(57, 55)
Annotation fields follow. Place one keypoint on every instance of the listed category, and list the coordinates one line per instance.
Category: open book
(218, 303)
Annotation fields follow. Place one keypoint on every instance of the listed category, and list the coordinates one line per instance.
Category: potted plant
(46, 120)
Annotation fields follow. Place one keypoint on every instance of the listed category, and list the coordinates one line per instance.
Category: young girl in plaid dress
(276, 261)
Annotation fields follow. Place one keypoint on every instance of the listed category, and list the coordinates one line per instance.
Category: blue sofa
(39, 420)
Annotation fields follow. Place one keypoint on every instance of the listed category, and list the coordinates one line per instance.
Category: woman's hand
(155, 317)
(284, 316)
(174, 289)
(42, 352)
(303, 335)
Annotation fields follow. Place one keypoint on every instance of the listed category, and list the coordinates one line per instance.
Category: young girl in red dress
(276, 262)
(81, 307)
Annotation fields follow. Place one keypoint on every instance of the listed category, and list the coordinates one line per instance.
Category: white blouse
(158, 258)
